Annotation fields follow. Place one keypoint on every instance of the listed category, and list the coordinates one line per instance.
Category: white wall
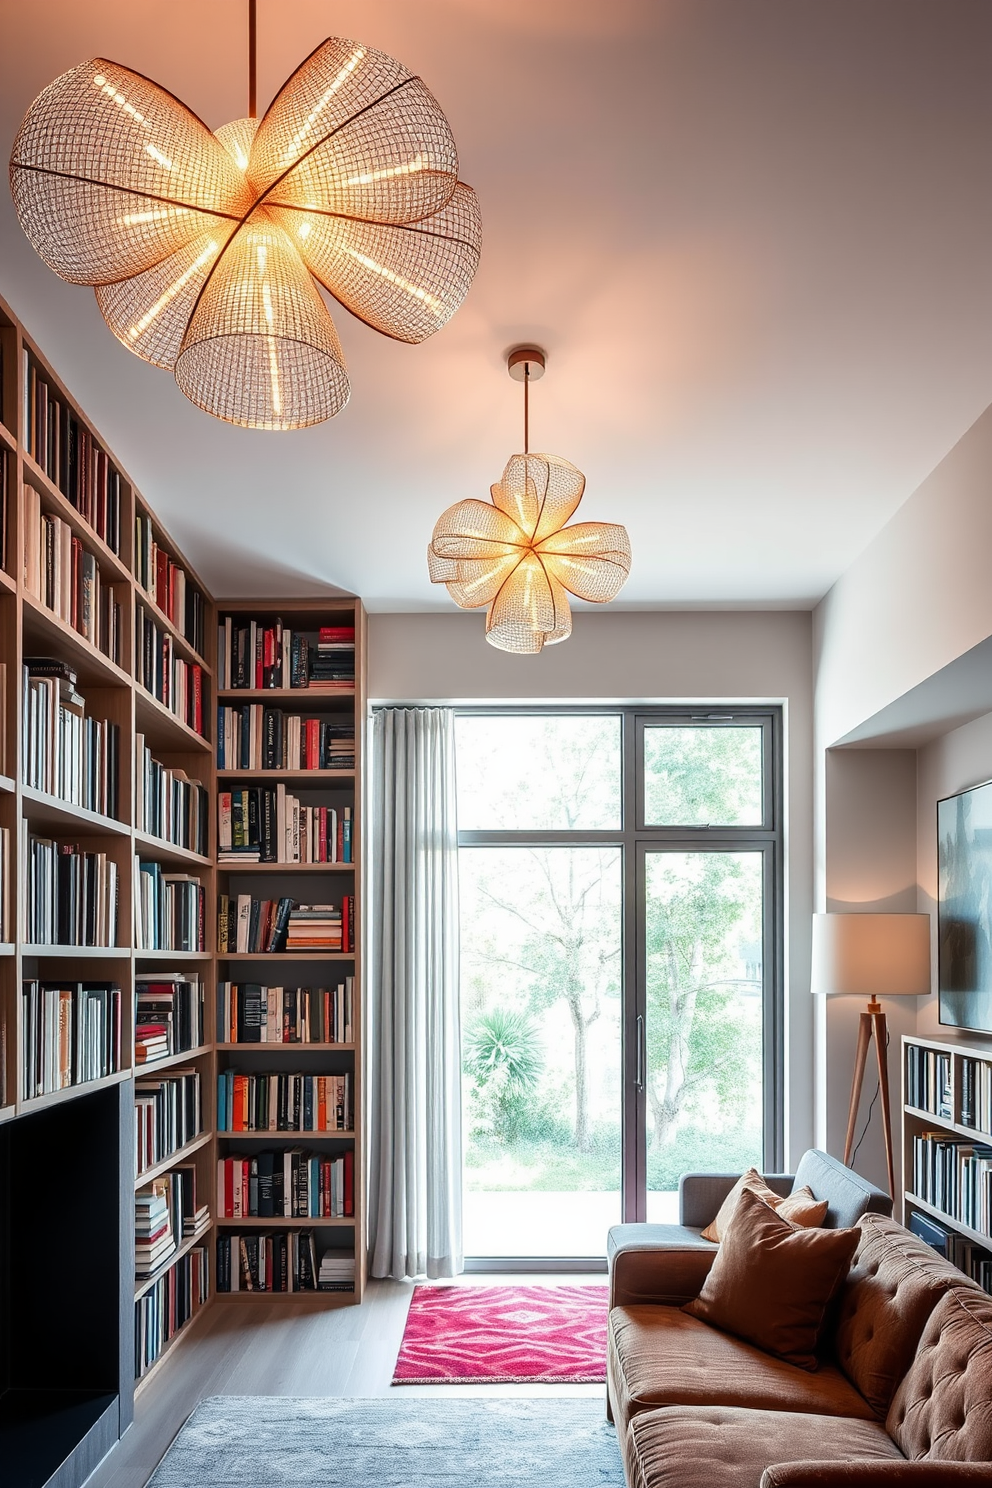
(901, 655)
(870, 865)
(659, 656)
(918, 598)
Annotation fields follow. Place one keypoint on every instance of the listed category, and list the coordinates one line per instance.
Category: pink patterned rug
(472, 1335)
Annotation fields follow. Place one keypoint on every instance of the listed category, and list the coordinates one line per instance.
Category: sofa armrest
(656, 1264)
(892, 1474)
(701, 1194)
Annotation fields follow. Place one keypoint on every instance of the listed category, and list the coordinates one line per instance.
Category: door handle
(641, 1075)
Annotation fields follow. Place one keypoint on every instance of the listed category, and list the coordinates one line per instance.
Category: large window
(620, 927)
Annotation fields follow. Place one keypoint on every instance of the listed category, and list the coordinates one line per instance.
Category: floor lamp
(871, 955)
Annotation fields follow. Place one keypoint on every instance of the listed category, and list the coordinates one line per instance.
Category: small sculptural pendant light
(516, 555)
(204, 248)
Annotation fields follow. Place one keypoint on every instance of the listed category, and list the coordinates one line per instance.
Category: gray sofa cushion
(848, 1194)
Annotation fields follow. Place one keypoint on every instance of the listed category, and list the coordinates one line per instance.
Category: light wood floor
(297, 1349)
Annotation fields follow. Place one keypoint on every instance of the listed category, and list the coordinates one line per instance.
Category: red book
(244, 1165)
(198, 698)
(349, 1181)
(229, 1188)
(313, 743)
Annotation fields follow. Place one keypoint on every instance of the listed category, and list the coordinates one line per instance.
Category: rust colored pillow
(800, 1207)
(772, 1281)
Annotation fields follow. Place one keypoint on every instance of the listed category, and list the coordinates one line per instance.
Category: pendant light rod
(252, 60)
(526, 364)
(526, 408)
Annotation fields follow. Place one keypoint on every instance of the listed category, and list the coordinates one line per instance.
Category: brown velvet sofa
(901, 1398)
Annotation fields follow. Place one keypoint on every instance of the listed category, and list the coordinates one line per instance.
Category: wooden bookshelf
(320, 883)
(946, 1122)
(91, 1124)
(88, 1127)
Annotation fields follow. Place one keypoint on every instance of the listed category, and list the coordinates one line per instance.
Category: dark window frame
(635, 840)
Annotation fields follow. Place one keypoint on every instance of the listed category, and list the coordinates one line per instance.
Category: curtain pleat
(415, 1192)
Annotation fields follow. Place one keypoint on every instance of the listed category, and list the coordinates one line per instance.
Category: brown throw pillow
(771, 1281)
(800, 1207)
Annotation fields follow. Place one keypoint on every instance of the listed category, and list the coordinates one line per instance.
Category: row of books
(249, 1013)
(954, 1175)
(170, 910)
(166, 581)
(169, 803)
(166, 1213)
(254, 737)
(168, 1304)
(284, 1102)
(263, 824)
(929, 1082)
(337, 1272)
(176, 683)
(72, 895)
(70, 456)
(286, 1185)
(974, 1260)
(168, 1015)
(930, 1086)
(260, 654)
(276, 1262)
(322, 927)
(71, 1033)
(64, 752)
(976, 1093)
(65, 577)
(247, 926)
(168, 1113)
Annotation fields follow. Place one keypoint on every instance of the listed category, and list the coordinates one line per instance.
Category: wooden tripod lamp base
(871, 955)
(872, 1025)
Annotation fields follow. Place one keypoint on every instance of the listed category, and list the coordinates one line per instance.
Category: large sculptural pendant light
(204, 248)
(516, 555)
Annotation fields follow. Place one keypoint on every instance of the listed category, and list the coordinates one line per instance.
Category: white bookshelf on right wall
(947, 1150)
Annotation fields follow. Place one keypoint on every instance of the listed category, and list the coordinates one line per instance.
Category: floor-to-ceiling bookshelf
(947, 1149)
(322, 1056)
(94, 588)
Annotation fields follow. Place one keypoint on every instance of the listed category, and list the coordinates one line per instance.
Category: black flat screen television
(964, 909)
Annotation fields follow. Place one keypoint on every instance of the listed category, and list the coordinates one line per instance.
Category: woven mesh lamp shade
(204, 248)
(517, 555)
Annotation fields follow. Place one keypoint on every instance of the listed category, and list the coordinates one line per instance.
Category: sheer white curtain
(415, 1200)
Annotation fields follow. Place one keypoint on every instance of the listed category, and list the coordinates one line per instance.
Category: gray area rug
(271, 1441)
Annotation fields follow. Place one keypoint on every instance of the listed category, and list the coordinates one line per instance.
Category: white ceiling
(755, 237)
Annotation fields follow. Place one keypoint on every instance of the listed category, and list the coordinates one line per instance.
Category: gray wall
(660, 656)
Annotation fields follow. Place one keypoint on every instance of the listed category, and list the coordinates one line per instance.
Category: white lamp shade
(871, 955)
